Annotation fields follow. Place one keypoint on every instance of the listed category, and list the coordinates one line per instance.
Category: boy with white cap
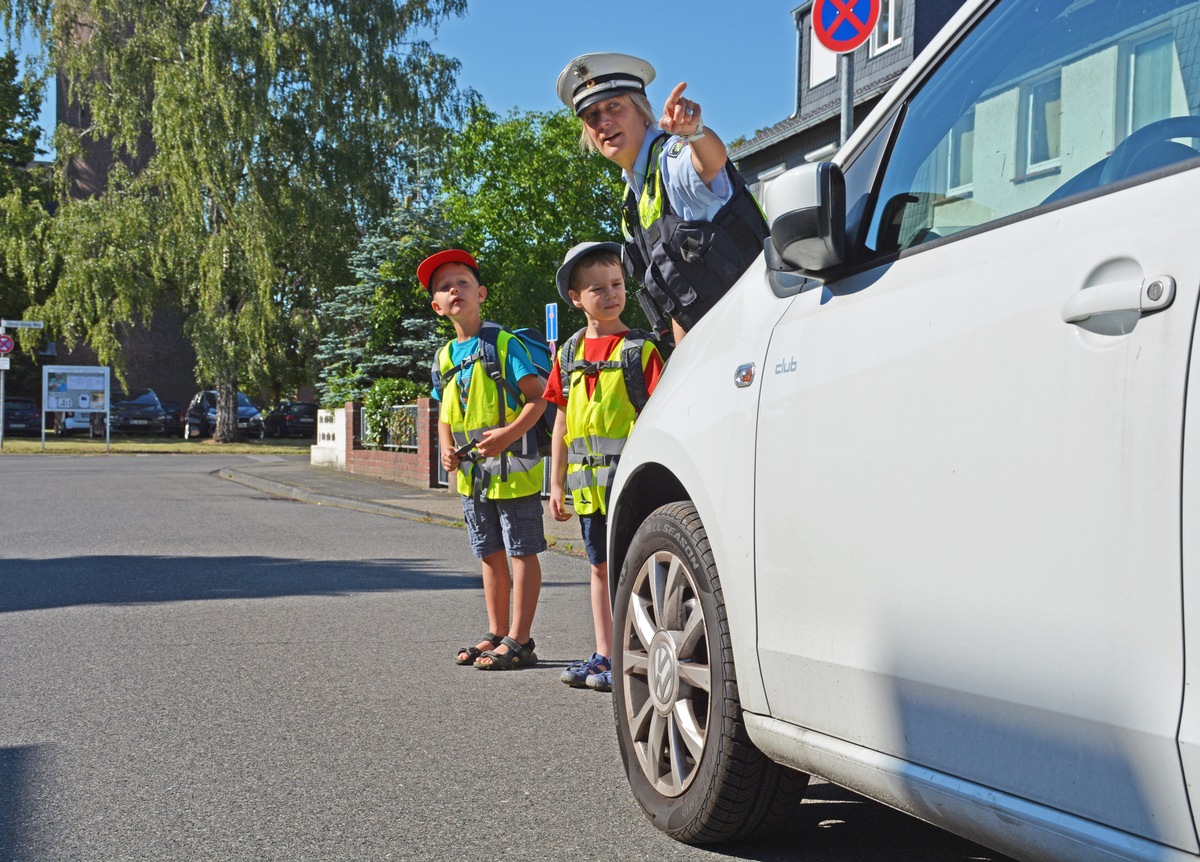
(691, 225)
(601, 378)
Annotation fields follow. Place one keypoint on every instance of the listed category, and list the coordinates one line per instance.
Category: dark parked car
(174, 419)
(292, 419)
(139, 412)
(200, 418)
(21, 416)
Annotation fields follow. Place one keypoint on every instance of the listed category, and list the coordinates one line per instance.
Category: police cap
(592, 77)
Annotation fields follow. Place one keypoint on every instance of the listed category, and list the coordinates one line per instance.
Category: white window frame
(1027, 125)
(894, 10)
(951, 154)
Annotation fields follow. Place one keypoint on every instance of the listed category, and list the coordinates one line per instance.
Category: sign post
(841, 26)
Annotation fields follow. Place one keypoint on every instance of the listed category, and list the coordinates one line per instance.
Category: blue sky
(739, 65)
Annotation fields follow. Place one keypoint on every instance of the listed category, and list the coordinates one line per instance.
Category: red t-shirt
(598, 350)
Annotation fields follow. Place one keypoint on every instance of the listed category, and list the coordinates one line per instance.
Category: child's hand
(680, 116)
(450, 460)
(557, 507)
(493, 442)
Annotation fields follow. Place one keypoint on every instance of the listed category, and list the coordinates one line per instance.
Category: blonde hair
(638, 101)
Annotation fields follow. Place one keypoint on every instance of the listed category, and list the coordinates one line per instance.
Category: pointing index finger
(676, 94)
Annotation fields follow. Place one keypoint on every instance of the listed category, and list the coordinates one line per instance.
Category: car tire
(688, 758)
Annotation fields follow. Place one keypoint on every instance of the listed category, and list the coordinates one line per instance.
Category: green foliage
(266, 134)
(521, 192)
(25, 192)
(377, 412)
(380, 325)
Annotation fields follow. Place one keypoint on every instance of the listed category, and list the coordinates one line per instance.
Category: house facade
(812, 132)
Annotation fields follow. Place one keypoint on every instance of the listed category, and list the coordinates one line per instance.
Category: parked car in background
(68, 422)
(173, 425)
(22, 416)
(292, 419)
(915, 507)
(200, 418)
(139, 412)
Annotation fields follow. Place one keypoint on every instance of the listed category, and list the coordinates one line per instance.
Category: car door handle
(1152, 294)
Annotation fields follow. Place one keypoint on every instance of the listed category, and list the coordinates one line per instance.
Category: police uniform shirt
(689, 197)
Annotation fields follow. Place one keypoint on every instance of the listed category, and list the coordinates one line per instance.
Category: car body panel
(969, 530)
(700, 428)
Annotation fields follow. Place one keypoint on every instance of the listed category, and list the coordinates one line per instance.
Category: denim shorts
(595, 537)
(505, 525)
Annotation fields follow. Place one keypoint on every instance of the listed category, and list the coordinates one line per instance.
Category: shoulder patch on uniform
(676, 148)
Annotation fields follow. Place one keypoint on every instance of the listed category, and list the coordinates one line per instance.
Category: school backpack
(489, 354)
(630, 364)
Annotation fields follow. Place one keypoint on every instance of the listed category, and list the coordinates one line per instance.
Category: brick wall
(418, 469)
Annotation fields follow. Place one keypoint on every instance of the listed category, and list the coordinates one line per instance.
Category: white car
(915, 507)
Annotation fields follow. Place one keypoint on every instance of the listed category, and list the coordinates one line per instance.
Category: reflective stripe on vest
(481, 477)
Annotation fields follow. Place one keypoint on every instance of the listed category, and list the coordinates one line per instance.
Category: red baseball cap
(451, 255)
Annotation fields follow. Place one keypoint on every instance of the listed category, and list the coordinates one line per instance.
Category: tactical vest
(597, 426)
(688, 265)
(518, 471)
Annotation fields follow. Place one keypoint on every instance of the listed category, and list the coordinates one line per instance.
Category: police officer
(691, 226)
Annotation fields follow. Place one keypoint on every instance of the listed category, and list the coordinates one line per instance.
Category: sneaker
(600, 681)
(576, 674)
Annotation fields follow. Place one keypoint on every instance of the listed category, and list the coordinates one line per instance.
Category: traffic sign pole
(842, 26)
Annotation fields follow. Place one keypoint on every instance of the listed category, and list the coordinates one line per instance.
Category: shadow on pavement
(121, 580)
(837, 825)
(19, 834)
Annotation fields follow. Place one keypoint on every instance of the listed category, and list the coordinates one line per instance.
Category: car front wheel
(685, 749)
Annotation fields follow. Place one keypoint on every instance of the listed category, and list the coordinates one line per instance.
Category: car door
(974, 561)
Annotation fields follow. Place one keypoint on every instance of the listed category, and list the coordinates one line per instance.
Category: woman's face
(617, 129)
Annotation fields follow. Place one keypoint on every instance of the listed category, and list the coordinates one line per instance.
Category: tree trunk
(227, 430)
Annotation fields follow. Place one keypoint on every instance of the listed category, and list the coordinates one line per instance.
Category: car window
(143, 398)
(1039, 103)
(243, 401)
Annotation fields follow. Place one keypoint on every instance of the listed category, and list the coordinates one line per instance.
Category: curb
(305, 495)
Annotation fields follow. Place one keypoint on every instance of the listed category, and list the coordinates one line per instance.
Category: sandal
(518, 656)
(474, 652)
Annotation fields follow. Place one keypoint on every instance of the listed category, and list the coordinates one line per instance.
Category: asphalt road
(193, 670)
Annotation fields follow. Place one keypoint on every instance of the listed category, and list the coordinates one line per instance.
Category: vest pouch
(694, 266)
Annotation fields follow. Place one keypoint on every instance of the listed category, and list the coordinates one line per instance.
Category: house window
(1042, 121)
(886, 34)
(1151, 73)
(960, 162)
(822, 63)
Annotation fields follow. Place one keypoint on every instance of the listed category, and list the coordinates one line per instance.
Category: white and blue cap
(592, 77)
(563, 277)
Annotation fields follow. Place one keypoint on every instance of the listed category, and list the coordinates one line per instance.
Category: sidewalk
(296, 479)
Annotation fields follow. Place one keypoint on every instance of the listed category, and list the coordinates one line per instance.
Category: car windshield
(243, 401)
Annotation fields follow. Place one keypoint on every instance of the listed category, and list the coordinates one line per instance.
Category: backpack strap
(631, 366)
(565, 369)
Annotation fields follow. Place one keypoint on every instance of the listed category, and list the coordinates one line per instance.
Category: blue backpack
(488, 353)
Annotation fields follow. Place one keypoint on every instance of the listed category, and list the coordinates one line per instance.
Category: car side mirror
(806, 209)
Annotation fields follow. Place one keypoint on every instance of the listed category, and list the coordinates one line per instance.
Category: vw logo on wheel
(664, 672)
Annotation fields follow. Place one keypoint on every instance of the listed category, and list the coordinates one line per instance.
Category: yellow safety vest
(597, 427)
(518, 471)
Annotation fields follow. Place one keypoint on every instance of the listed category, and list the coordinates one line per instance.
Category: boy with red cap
(486, 435)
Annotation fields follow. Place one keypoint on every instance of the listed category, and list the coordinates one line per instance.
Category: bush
(378, 402)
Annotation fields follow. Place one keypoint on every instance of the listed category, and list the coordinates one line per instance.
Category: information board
(79, 388)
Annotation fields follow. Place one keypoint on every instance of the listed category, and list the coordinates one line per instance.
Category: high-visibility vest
(516, 472)
(597, 425)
